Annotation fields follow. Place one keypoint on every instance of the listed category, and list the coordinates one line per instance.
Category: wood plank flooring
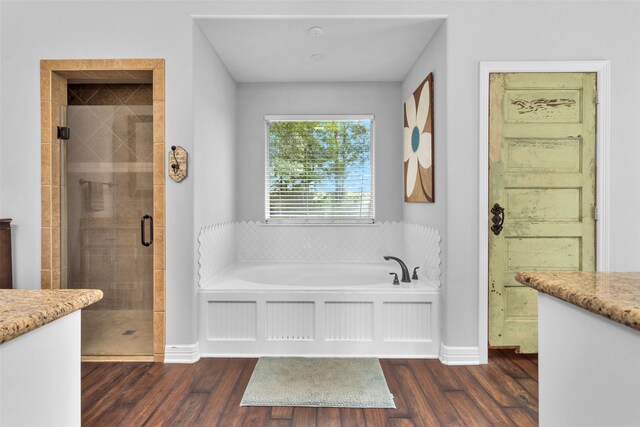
(207, 393)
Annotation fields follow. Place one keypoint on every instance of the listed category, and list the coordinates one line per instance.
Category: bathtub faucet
(405, 270)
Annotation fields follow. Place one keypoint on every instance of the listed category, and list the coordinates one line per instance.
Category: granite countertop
(615, 296)
(23, 310)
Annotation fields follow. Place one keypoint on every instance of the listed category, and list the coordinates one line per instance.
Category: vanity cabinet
(6, 275)
(40, 374)
(589, 341)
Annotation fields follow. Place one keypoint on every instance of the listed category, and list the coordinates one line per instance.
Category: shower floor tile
(117, 332)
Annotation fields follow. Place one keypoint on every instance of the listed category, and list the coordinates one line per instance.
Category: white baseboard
(182, 353)
(319, 355)
(450, 355)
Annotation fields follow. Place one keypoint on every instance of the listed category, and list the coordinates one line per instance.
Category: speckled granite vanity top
(23, 310)
(613, 295)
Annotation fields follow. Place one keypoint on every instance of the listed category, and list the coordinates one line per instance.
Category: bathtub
(318, 275)
(320, 309)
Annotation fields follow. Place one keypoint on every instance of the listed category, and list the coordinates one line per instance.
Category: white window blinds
(319, 170)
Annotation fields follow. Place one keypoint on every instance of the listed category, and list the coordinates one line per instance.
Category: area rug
(318, 382)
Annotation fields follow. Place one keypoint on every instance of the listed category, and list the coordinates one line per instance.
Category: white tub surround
(222, 245)
(322, 291)
(589, 341)
(217, 249)
(325, 309)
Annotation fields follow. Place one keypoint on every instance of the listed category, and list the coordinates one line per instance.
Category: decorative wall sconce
(177, 163)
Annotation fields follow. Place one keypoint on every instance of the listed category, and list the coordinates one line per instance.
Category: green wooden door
(542, 172)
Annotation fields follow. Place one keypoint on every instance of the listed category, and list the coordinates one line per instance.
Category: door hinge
(64, 132)
(596, 99)
(596, 213)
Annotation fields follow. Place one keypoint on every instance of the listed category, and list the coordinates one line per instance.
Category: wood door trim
(602, 70)
(53, 90)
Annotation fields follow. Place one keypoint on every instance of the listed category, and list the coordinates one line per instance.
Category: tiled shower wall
(110, 187)
(221, 245)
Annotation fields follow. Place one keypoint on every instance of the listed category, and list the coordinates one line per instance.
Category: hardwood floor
(207, 393)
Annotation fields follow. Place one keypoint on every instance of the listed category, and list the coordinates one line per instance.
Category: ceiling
(356, 49)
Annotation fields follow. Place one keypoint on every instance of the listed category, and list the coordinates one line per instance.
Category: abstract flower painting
(418, 144)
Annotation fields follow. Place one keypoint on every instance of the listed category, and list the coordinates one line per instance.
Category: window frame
(318, 221)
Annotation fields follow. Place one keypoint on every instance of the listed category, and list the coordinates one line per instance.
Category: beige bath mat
(318, 382)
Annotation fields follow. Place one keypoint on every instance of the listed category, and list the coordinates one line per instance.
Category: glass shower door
(109, 190)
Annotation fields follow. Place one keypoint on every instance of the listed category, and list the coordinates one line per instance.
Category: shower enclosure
(106, 213)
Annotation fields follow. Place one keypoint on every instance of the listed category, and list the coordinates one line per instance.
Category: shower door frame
(53, 95)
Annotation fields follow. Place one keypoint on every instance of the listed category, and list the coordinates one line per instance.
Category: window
(319, 169)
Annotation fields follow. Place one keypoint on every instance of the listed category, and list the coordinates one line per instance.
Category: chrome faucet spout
(403, 266)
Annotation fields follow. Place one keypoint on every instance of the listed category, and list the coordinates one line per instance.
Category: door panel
(542, 155)
(532, 253)
(543, 204)
(542, 106)
(542, 172)
(521, 303)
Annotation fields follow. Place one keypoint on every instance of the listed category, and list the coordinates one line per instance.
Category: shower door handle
(143, 240)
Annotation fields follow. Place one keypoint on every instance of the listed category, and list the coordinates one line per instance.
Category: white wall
(214, 101)
(32, 31)
(489, 31)
(434, 60)
(1, 105)
(381, 99)
(476, 31)
(214, 135)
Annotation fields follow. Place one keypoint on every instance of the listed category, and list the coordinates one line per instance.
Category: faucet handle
(395, 279)
(415, 274)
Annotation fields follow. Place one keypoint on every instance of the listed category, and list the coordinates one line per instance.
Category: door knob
(497, 219)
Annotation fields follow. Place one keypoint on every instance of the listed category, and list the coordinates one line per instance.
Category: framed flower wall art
(418, 144)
